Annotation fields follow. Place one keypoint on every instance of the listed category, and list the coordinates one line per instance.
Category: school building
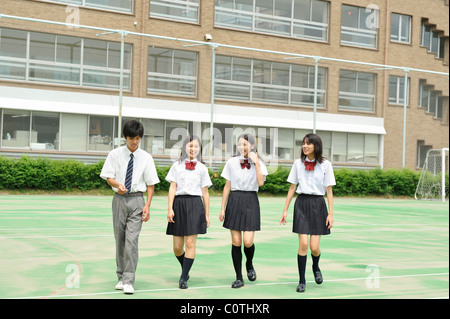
(60, 88)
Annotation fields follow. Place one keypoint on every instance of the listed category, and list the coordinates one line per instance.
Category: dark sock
(236, 254)
(187, 264)
(315, 261)
(249, 252)
(301, 261)
(180, 259)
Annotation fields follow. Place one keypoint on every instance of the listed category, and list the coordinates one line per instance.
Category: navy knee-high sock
(180, 259)
(236, 254)
(315, 260)
(187, 264)
(249, 252)
(301, 261)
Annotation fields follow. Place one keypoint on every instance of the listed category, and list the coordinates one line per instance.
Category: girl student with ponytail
(187, 214)
(240, 211)
(314, 176)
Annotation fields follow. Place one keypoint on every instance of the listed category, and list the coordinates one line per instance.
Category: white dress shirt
(144, 170)
(189, 182)
(242, 179)
(312, 182)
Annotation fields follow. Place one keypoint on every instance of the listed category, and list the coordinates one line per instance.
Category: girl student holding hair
(244, 174)
(188, 215)
(314, 176)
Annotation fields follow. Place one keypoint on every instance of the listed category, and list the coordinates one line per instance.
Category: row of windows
(48, 58)
(42, 57)
(78, 132)
(303, 19)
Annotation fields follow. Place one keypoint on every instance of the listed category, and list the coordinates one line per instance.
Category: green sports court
(59, 246)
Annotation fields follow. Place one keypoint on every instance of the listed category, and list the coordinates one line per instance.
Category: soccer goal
(433, 181)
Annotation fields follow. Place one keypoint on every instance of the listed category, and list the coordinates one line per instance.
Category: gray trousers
(127, 223)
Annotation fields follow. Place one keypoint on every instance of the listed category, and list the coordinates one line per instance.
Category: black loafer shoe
(301, 287)
(182, 284)
(318, 277)
(251, 274)
(237, 284)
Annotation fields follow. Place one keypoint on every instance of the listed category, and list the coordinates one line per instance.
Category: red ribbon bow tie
(309, 166)
(190, 165)
(245, 164)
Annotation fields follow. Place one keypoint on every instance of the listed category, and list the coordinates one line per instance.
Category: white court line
(227, 286)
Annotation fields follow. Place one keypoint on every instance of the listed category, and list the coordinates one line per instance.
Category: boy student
(130, 171)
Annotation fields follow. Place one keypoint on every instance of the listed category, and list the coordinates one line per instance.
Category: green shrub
(47, 174)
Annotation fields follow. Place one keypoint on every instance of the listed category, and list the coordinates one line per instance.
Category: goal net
(433, 181)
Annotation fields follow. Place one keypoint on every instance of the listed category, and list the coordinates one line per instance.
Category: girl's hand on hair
(253, 157)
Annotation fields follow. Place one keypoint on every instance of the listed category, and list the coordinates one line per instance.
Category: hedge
(46, 174)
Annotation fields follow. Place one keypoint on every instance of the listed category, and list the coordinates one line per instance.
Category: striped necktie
(129, 174)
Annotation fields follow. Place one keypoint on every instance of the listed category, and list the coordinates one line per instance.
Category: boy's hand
(145, 214)
(121, 189)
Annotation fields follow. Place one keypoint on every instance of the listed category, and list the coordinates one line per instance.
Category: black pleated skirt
(189, 216)
(242, 212)
(310, 215)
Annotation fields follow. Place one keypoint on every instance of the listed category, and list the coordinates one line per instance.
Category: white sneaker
(128, 289)
(119, 285)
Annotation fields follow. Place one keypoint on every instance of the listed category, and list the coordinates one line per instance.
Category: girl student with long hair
(314, 176)
(240, 210)
(187, 214)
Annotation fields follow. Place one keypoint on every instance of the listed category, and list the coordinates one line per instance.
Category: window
(233, 78)
(285, 146)
(397, 90)
(58, 59)
(153, 140)
(357, 91)
(74, 132)
(175, 131)
(371, 149)
(351, 147)
(355, 148)
(302, 85)
(266, 81)
(359, 26)
(424, 93)
(16, 129)
(46, 126)
(422, 150)
(326, 138)
(181, 10)
(102, 64)
(306, 19)
(432, 40)
(400, 28)
(48, 49)
(114, 5)
(172, 71)
(44, 132)
(101, 133)
(13, 49)
(339, 147)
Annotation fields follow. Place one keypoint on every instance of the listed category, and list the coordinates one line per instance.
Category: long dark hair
(186, 141)
(318, 148)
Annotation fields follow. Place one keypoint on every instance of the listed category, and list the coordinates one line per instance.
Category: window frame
(401, 18)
